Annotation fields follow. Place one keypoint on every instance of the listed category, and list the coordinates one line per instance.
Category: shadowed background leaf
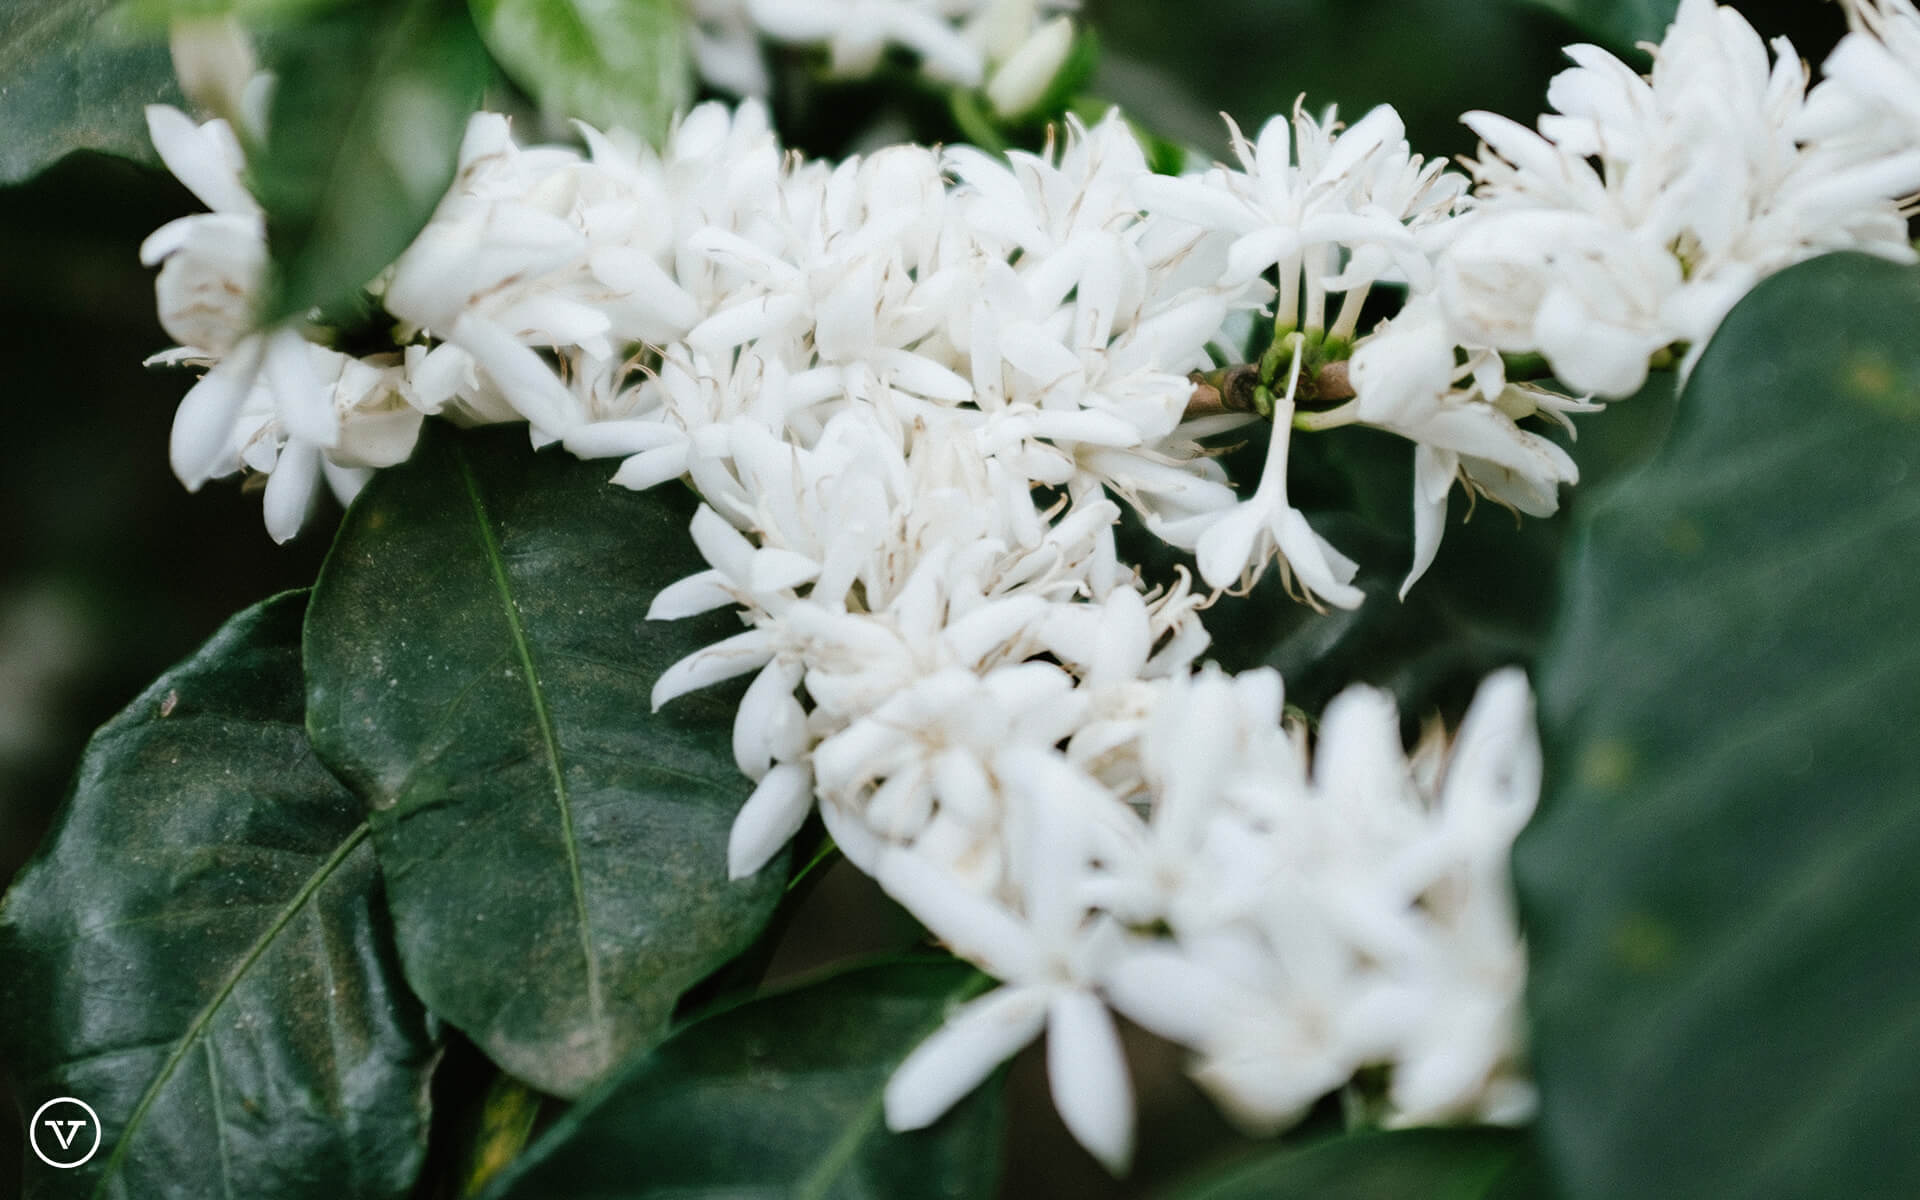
(1427, 1164)
(1616, 23)
(780, 1096)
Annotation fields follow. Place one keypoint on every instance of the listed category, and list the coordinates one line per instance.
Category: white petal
(991, 627)
(203, 424)
(1359, 762)
(698, 593)
(346, 482)
(1433, 472)
(736, 655)
(1168, 994)
(618, 439)
(1087, 1072)
(723, 546)
(954, 1061)
(1588, 354)
(1322, 569)
(923, 376)
(168, 239)
(213, 58)
(522, 377)
(652, 288)
(1380, 126)
(1494, 767)
(1257, 251)
(773, 570)
(754, 721)
(769, 819)
(1225, 550)
(205, 158)
(290, 489)
(974, 926)
(1022, 81)
(302, 394)
(651, 468)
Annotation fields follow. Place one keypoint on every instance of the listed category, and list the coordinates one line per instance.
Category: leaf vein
(517, 631)
(204, 1018)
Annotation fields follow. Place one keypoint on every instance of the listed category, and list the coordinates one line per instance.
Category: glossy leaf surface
(201, 954)
(479, 665)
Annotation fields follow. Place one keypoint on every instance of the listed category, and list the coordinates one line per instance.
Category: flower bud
(1022, 81)
(214, 60)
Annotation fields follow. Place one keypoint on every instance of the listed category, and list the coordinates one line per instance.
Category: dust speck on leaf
(1685, 537)
(1644, 943)
(1607, 765)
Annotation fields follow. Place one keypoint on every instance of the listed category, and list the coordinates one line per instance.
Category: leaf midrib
(198, 1027)
(496, 565)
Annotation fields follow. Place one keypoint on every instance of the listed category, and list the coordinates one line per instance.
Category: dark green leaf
(1620, 24)
(200, 952)
(780, 1096)
(1415, 1164)
(363, 138)
(1175, 67)
(1720, 889)
(69, 81)
(479, 664)
(157, 14)
(611, 63)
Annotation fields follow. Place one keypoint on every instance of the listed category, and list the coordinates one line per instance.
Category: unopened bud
(214, 60)
(1022, 81)
(1002, 26)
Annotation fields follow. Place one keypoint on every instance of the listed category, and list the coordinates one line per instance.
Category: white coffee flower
(1021, 82)
(1308, 195)
(1644, 208)
(212, 265)
(1047, 947)
(1867, 104)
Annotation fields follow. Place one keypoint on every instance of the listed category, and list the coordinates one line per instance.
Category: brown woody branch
(1231, 389)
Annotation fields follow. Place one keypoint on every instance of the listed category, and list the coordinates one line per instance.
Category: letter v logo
(58, 1132)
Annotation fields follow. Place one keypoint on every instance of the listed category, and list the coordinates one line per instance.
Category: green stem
(1332, 418)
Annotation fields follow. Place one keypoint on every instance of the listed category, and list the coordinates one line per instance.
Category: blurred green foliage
(623, 64)
(362, 140)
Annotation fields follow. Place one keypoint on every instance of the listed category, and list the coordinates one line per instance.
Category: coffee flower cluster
(916, 390)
